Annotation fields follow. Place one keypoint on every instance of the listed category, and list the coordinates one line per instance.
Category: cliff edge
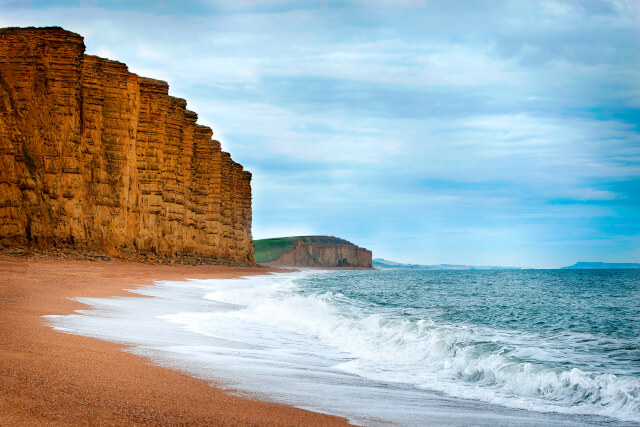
(97, 159)
(311, 251)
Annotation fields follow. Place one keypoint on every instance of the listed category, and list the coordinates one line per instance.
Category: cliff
(96, 158)
(311, 251)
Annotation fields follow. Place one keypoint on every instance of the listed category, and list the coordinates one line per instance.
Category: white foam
(262, 335)
(432, 356)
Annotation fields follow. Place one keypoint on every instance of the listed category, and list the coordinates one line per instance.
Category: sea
(403, 347)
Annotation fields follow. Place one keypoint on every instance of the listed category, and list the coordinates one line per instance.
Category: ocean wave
(503, 367)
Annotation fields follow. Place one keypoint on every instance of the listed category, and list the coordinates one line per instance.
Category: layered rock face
(93, 157)
(324, 252)
(324, 255)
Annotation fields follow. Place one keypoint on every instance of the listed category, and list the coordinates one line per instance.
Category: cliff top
(270, 249)
(38, 30)
(51, 33)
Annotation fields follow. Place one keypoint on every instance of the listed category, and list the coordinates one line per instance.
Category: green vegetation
(271, 249)
(31, 165)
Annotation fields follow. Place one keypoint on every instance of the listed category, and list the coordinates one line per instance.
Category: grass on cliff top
(271, 249)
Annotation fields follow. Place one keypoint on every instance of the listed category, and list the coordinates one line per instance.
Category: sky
(487, 132)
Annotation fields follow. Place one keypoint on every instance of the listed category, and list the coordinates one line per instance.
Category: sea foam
(503, 367)
(286, 335)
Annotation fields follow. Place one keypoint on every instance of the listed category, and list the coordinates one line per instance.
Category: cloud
(472, 132)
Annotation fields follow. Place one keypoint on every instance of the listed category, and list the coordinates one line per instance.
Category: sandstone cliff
(312, 251)
(95, 158)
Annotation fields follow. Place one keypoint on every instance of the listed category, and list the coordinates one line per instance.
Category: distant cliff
(384, 263)
(602, 265)
(95, 158)
(311, 251)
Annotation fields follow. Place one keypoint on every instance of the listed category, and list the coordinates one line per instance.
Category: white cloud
(269, 231)
(105, 52)
(349, 116)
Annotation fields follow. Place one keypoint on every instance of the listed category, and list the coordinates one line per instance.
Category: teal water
(549, 340)
(498, 348)
(595, 312)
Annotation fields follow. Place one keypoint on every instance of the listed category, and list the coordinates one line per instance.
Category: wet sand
(53, 378)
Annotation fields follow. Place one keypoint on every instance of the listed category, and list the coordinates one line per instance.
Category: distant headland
(383, 263)
(311, 251)
(601, 265)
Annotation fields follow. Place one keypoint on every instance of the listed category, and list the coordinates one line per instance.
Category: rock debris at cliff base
(96, 158)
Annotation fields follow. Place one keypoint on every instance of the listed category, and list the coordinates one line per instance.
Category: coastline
(53, 377)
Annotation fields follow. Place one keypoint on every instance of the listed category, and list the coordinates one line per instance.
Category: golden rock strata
(94, 157)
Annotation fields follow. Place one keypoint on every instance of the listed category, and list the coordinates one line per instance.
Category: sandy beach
(49, 377)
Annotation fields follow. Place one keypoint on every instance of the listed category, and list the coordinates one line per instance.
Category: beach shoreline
(50, 377)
